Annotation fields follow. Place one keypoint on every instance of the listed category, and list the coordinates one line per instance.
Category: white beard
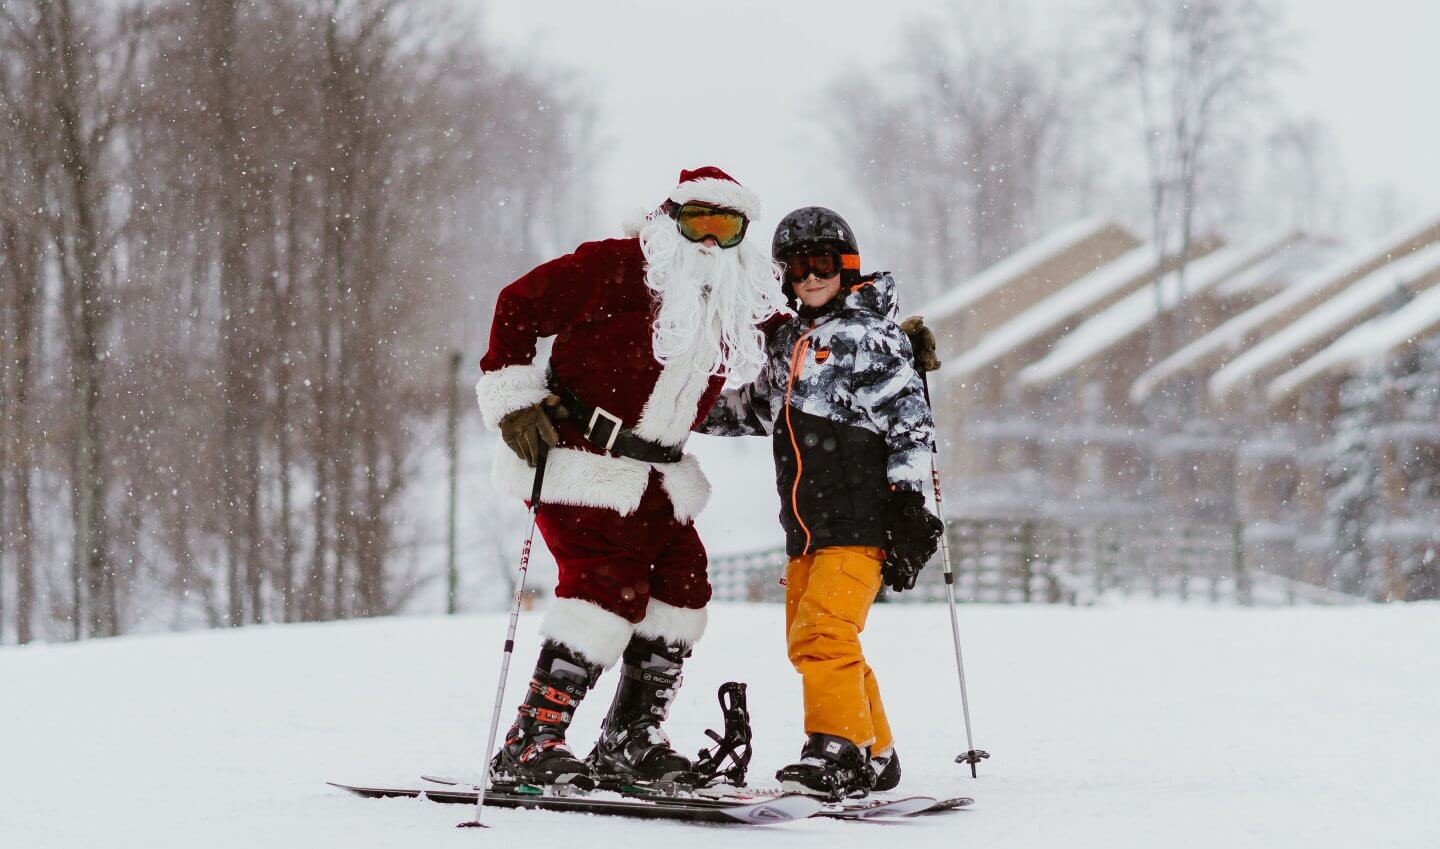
(710, 301)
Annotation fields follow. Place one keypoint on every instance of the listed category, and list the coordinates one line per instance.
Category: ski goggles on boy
(695, 221)
(822, 265)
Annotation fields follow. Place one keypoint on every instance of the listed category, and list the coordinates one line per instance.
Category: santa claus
(647, 330)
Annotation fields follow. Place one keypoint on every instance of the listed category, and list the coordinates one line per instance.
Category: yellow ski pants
(827, 596)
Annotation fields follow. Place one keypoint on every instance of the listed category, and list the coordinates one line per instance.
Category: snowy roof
(1018, 264)
(1374, 340)
(1236, 332)
(1109, 279)
(1273, 273)
(1135, 311)
(1332, 316)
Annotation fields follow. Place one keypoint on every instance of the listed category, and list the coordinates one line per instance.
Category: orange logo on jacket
(822, 354)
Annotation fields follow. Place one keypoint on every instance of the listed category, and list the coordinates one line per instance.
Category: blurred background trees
(233, 236)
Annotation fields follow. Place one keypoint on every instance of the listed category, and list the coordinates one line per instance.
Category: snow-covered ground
(1112, 727)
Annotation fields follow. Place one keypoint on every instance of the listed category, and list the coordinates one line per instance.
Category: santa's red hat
(713, 186)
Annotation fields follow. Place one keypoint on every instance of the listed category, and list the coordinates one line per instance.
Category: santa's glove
(914, 533)
(922, 342)
(524, 429)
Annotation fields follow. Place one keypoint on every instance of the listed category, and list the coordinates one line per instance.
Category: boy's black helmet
(813, 227)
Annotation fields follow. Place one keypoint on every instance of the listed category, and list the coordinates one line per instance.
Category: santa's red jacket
(597, 306)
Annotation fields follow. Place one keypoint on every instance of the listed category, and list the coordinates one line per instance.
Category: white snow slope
(1128, 726)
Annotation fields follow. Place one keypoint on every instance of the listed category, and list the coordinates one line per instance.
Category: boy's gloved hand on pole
(922, 341)
(914, 535)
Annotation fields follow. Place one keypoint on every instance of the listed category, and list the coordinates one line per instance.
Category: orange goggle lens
(725, 226)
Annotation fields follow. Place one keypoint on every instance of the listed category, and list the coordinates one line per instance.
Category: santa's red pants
(621, 562)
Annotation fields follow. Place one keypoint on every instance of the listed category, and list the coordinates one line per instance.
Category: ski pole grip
(925, 384)
(539, 474)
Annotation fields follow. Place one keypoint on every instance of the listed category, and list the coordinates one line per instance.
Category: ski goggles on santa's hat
(822, 264)
(696, 221)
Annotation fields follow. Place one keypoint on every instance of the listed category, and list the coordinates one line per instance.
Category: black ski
(879, 808)
(757, 812)
(906, 806)
(870, 809)
(956, 803)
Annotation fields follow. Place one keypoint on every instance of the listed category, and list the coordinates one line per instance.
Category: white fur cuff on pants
(595, 633)
(672, 624)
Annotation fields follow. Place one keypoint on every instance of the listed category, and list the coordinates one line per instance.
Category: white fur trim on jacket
(673, 403)
(687, 486)
(671, 623)
(506, 390)
(585, 627)
(582, 479)
(719, 192)
(574, 477)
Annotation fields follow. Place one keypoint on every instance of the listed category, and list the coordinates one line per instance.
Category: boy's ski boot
(632, 748)
(886, 768)
(534, 751)
(831, 768)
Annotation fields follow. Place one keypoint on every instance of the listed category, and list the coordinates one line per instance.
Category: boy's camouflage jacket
(848, 413)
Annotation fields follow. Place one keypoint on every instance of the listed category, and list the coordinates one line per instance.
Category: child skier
(852, 436)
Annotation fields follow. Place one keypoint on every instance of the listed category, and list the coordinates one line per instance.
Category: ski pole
(974, 756)
(510, 637)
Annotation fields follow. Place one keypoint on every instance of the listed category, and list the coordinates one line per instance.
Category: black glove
(914, 534)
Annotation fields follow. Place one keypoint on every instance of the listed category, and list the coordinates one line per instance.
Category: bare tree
(969, 159)
(21, 254)
(21, 284)
(84, 60)
(1198, 70)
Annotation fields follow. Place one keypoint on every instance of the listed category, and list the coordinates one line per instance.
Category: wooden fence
(1042, 561)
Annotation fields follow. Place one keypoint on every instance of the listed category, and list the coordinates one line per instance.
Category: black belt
(604, 430)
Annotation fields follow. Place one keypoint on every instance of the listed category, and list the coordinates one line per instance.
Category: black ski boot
(886, 768)
(632, 748)
(830, 767)
(534, 751)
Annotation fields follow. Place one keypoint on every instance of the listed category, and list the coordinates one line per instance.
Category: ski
(872, 809)
(868, 809)
(879, 808)
(958, 803)
(767, 811)
(907, 806)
